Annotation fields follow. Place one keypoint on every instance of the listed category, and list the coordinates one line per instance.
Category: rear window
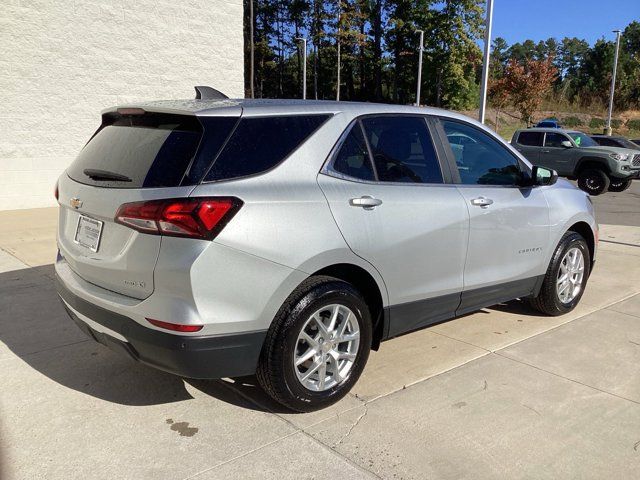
(138, 151)
(259, 144)
(533, 139)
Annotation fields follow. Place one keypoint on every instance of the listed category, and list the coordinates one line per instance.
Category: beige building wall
(63, 61)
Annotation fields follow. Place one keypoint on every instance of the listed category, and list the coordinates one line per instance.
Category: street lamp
(419, 67)
(304, 66)
(338, 48)
(609, 131)
(485, 63)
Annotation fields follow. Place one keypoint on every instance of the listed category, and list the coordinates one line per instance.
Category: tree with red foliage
(528, 82)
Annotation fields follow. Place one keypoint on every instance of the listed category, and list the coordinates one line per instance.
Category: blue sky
(518, 20)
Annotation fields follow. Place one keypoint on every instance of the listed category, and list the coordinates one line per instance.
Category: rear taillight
(56, 192)
(188, 217)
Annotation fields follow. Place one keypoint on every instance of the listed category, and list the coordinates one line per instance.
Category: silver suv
(224, 238)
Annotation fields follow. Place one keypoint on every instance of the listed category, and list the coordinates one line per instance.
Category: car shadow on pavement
(247, 388)
(516, 307)
(35, 327)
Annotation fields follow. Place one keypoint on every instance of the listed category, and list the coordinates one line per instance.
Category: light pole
(485, 64)
(609, 131)
(304, 67)
(338, 48)
(419, 67)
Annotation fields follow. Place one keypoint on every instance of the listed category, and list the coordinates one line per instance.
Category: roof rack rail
(208, 93)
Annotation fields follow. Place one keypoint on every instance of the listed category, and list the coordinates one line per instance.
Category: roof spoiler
(209, 93)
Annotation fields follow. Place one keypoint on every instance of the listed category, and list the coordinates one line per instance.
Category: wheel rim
(594, 183)
(570, 275)
(326, 348)
(619, 184)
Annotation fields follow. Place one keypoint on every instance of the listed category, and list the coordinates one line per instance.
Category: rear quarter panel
(283, 233)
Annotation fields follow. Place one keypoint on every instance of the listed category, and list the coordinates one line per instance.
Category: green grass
(507, 131)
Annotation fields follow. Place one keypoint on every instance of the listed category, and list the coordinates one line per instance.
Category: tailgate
(124, 259)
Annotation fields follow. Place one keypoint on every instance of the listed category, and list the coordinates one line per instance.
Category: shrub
(572, 122)
(596, 123)
(633, 124)
(616, 123)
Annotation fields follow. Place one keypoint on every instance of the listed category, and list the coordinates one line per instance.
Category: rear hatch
(134, 156)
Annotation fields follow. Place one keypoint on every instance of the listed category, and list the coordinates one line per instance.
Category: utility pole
(419, 67)
(338, 48)
(609, 131)
(485, 64)
(304, 67)
(251, 48)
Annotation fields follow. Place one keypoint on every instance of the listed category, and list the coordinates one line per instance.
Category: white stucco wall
(62, 62)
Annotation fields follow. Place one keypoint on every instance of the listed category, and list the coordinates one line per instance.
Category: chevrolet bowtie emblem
(75, 202)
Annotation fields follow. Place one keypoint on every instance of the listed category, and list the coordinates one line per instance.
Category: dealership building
(63, 61)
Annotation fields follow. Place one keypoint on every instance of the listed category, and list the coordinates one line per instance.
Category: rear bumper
(205, 357)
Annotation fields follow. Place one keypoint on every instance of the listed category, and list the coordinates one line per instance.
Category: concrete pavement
(619, 208)
(502, 393)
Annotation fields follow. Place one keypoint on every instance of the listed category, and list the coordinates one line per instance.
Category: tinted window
(216, 132)
(483, 161)
(402, 149)
(533, 139)
(624, 143)
(353, 158)
(258, 144)
(614, 142)
(138, 151)
(554, 140)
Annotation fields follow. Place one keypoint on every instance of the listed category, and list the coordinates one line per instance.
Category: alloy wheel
(326, 347)
(570, 275)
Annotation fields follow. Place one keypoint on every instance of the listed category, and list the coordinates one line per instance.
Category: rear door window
(138, 151)
(402, 149)
(533, 139)
(261, 143)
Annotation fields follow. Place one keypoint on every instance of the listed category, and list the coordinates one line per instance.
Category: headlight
(620, 156)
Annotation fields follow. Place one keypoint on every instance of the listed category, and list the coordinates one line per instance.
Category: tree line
(570, 73)
(377, 43)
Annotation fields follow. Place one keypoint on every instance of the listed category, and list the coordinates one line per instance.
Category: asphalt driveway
(502, 393)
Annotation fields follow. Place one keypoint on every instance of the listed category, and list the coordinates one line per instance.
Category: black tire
(619, 184)
(548, 301)
(276, 372)
(593, 181)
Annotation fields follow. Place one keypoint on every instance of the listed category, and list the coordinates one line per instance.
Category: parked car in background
(223, 238)
(575, 155)
(549, 123)
(611, 141)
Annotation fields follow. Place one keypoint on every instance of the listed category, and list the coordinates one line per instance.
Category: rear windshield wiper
(98, 175)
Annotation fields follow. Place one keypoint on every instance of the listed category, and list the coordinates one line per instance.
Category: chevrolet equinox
(222, 238)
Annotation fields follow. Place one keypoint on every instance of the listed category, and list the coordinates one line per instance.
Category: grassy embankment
(623, 123)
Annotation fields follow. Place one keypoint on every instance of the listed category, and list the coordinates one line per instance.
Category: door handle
(545, 151)
(481, 202)
(366, 202)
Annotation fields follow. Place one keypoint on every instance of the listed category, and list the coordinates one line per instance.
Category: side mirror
(566, 144)
(541, 176)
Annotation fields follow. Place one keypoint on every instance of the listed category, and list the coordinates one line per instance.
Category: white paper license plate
(88, 233)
